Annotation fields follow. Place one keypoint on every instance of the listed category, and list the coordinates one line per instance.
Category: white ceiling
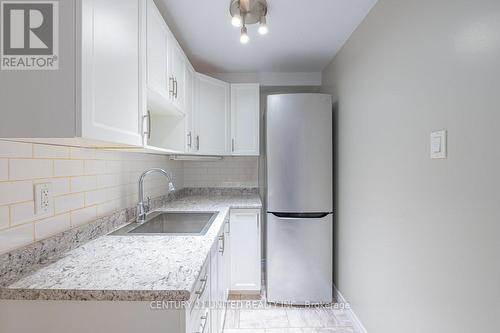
(304, 35)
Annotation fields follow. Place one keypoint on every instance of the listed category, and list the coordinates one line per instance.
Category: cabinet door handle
(228, 231)
(189, 140)
(175, 87)
(204, 322)
(203, 286)
(223, 245)
(232, 145)
(171, 86)
(147, 117)
(197, 142)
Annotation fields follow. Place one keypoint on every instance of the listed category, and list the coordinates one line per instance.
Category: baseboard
(356, 323)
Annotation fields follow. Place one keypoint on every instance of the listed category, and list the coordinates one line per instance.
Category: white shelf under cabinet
(160, 103)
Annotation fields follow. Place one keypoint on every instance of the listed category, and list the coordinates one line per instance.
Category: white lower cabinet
(245, 250)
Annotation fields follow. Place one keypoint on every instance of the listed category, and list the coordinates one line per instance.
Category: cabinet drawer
(201, 322)
(201, 291)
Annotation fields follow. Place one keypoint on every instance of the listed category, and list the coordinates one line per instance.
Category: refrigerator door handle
(292, 216)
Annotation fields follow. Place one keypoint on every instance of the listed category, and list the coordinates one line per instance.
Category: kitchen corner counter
(133, 268)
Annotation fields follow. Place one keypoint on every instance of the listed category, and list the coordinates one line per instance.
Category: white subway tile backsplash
(16, 149)
(22, 212)
(83, 183)
(16, 237)
(52, 225)
(104, 181)
(82, 216)
(110, 207)
(229, 172)
(12, 192)
(47, 151)
(4, 170)
(95, 167)
(4, 217)
(65, 168)
(116, 166)
(69, 202)
(95, 197)
(22, 169)
(115, 192)
(82, 153)
(109, 154)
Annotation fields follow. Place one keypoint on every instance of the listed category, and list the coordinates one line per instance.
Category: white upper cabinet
(211, 116)
(157, 50)
(176, 73)
(166, 64)
(189, 107)
(95, 97)
(160, 83)
(245, 105)
(111, 81)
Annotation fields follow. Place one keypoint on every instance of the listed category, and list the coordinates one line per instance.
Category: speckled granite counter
(133, 268)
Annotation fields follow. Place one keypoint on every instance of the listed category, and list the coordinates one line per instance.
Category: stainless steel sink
(170, 223)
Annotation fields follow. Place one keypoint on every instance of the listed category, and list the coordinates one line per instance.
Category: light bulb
(263, 29)
(236, 21)
(244, 35)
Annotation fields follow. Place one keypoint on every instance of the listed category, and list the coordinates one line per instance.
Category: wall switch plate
(438, 144)
(43, 198)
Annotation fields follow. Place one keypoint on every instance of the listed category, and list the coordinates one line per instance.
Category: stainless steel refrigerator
(299, 198)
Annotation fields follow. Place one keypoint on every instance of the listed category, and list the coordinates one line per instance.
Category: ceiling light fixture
(236, 21)
(244, 35)
(263, 29)
(244, 12)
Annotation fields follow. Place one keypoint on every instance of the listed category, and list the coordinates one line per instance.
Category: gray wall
(42, 103)
(418, 240)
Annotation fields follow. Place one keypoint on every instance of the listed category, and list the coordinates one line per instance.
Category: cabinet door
(157, 39)
(245, 104)
(245, 250)
(189, 109)
(222, 278)
(111, 71)
(211, 116)
(176, 73)
(214, 283)
(227, 259)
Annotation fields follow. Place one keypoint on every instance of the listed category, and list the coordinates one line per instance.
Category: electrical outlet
(43, 198)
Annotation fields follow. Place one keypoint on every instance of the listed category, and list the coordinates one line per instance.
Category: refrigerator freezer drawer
(299, 259)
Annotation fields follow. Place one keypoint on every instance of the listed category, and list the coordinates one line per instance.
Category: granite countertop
(133, 268)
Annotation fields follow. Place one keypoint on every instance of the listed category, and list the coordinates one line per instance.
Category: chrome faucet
(143, 209)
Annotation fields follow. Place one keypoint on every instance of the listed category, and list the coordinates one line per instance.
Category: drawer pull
(203, 286)
(223, 244)
(203, 325)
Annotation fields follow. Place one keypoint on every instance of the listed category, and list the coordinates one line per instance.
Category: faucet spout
(143, 209)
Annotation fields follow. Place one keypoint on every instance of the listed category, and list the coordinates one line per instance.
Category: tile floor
(247, 315)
